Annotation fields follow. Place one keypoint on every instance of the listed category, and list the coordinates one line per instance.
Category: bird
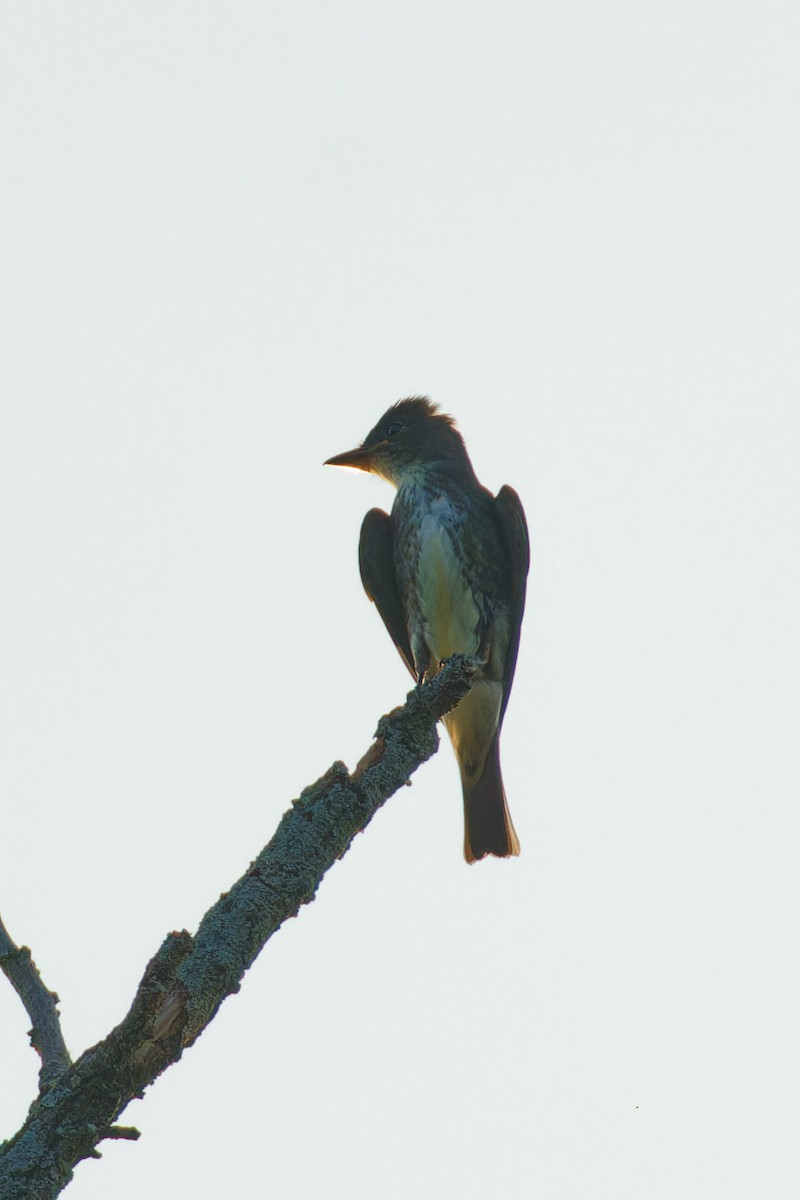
(447, 570)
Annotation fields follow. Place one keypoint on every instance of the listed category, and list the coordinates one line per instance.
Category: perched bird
(447, 571)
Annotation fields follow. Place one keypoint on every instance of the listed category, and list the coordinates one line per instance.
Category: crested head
(411, 436)
(411, 439)
(414, 408)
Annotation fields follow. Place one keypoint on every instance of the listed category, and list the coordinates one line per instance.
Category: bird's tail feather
(488, 828)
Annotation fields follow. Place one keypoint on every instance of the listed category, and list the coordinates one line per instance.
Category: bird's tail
(488, 828)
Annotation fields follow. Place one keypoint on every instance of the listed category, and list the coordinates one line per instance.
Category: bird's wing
(510, 517)
(376, 561)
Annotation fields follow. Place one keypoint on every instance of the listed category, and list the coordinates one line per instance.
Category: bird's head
(409, 437)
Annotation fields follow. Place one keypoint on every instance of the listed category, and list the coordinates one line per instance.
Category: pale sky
(232, 235)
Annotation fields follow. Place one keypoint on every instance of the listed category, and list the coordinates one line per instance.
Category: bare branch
(122, 1133)
(40, 1005)
(189, 976)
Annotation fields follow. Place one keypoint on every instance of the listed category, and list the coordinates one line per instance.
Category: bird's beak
(363, 457)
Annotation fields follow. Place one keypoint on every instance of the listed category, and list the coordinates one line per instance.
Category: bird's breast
(438, 592)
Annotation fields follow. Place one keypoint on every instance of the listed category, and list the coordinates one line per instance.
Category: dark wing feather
(376, 561)
(510, 517)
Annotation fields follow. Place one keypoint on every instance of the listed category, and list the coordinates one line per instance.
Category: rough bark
(40, 1005)
(190, 975)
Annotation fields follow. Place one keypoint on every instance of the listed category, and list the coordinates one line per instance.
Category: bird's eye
(394, 428)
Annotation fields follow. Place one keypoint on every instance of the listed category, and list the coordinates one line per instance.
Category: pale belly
(444, 600)
(450, 620)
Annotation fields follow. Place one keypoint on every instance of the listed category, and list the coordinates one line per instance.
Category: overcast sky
(232, 235)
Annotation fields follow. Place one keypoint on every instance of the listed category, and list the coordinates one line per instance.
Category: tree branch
(40, 1005)
(190, 976)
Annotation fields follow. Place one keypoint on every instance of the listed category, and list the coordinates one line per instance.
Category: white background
(232, 235)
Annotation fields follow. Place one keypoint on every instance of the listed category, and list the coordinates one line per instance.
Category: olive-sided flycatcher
(447, 571)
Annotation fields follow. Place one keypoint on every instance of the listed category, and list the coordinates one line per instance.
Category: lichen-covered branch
(40, 1005)
(189, 976)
